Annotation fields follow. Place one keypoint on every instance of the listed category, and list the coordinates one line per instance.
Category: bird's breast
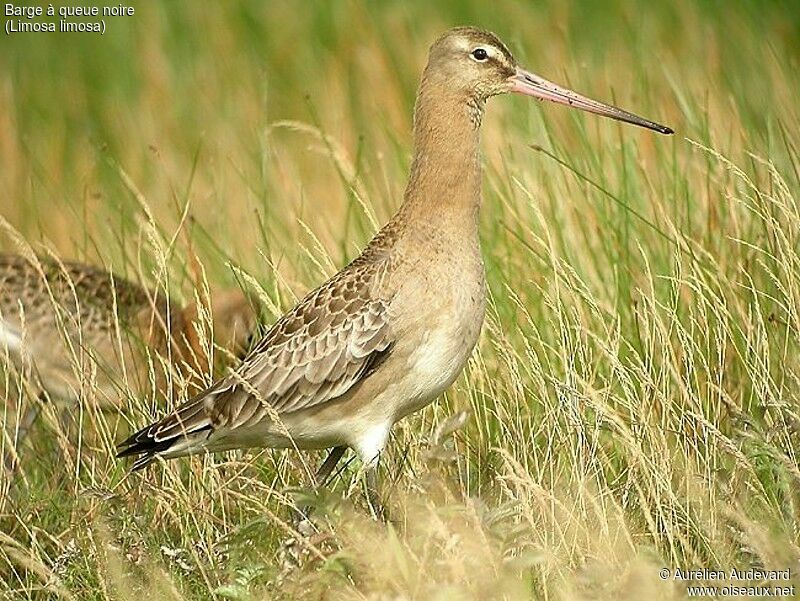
(441, 335)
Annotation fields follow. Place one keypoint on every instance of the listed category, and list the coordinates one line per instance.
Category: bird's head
(477, 65)
(471, 61)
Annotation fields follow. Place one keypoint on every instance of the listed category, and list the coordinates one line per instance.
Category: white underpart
(371, 442)
(10, 339)
(437, 362)
(432, 367)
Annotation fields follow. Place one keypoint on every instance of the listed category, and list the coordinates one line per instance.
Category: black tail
(159, 437)
(143, 446)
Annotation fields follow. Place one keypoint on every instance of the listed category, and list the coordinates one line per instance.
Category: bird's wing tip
(143, 462)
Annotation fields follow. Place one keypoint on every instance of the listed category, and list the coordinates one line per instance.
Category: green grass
(635, 392)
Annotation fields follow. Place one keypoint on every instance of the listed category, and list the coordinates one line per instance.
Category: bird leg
(29, 417)
(374, 503)
(291, 549)
(321, 478)
(24, 424)
(325, 469)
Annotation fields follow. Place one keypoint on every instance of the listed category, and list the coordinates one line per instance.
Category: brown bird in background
(391, 331)
(71, 329)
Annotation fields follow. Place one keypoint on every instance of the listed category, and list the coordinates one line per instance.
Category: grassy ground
(634, 397)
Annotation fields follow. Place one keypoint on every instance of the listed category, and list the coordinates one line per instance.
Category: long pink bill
(530, 84)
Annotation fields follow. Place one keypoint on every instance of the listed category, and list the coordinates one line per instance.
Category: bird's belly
(438, 359)
(10, 339)
(72, 364)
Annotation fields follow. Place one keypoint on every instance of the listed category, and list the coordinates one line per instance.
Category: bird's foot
(376, 508)
(302, 544)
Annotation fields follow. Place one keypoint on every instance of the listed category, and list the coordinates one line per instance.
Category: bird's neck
(444, 186)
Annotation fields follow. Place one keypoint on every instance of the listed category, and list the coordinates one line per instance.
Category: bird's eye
(480, 54)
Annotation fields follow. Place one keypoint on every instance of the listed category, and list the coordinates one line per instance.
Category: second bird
(73, 329)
